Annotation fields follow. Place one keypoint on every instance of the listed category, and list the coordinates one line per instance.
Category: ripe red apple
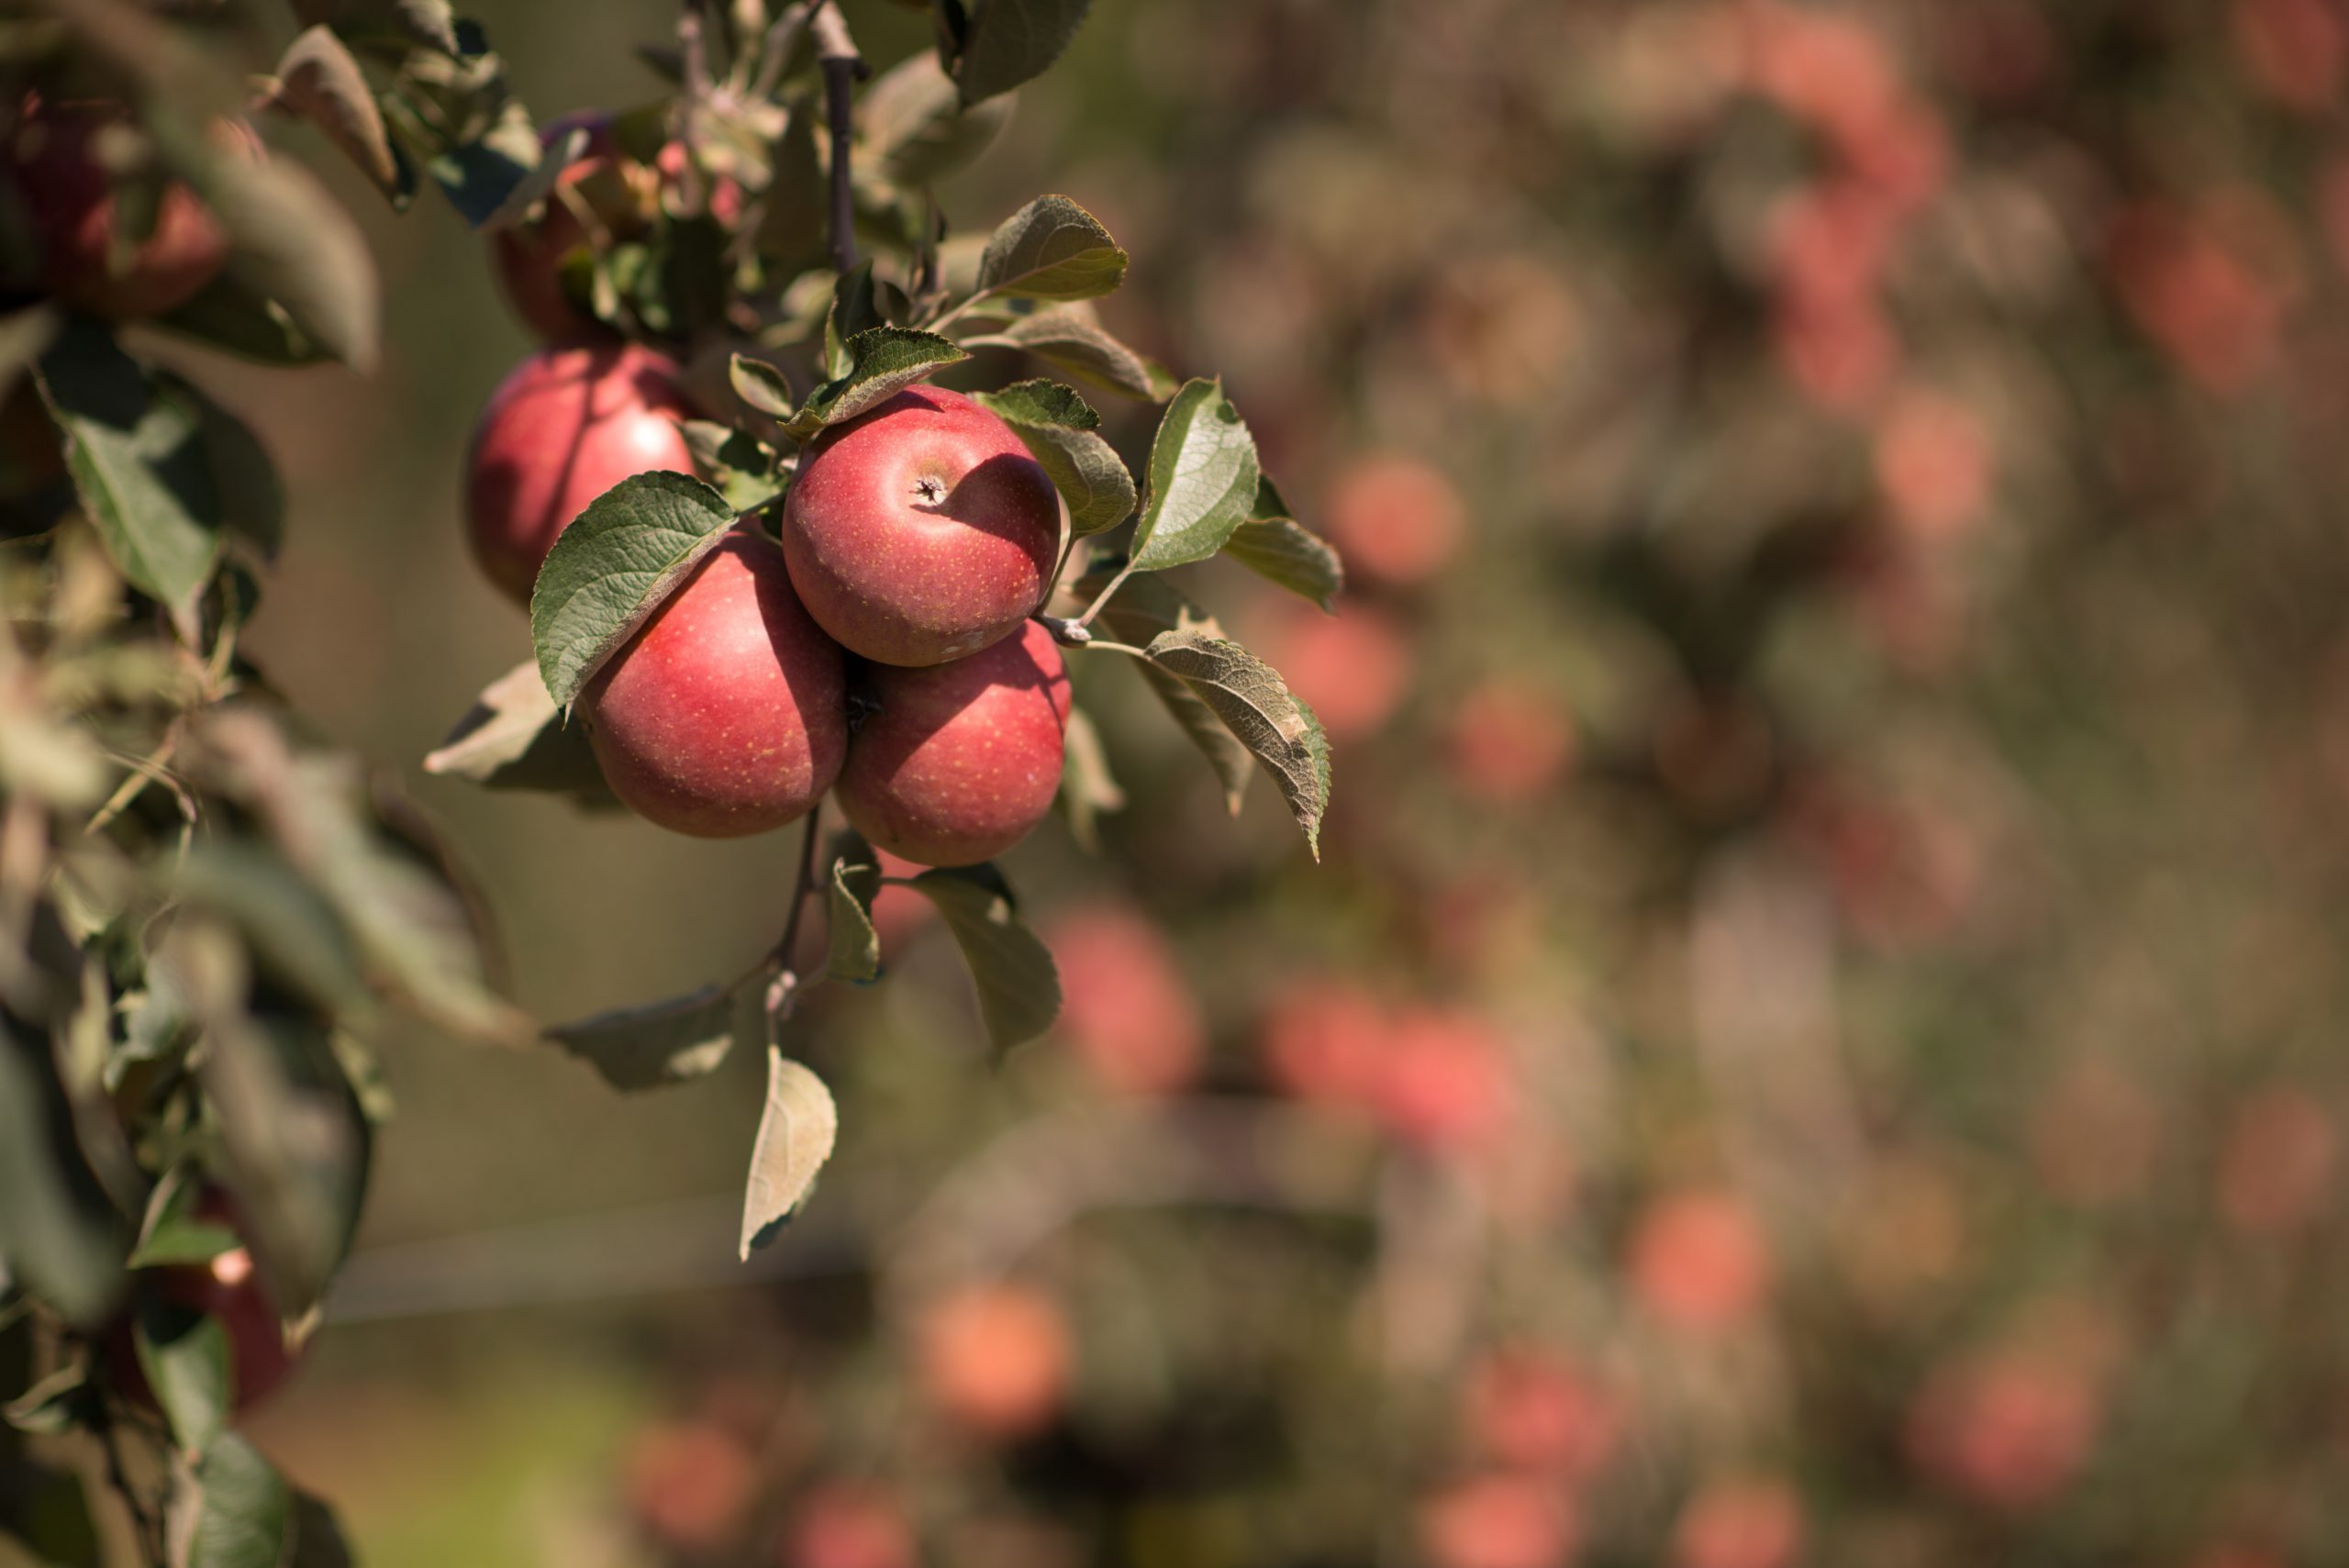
(1397, 519)
(839, 1524)
(689, 1484)
(957, 762)
(566, 426)
(228, 1287)
(1498, 1521)
(1740, 1524)
(921, 531)
(54, 157)
(726, 713)
(1126, 1006)
(995, 1359)
(1698, 1261)
(530, 258)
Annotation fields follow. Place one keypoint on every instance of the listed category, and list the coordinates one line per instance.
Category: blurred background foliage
(1816, 1035)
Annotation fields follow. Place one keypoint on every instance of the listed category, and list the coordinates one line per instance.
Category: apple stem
(145, 1523)
(843, 68)
(1067, 633)
(1114, 585)
(785, 984)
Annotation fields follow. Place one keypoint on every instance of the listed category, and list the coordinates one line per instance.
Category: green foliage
(1058, 427)
(1054, 249)
(514, 738)
(1143, 609)
(1070, 338)
(1019, 992)
(1257, 706)
(855, 948)
(1282, 551)
(663, 1042)
(993, 46)
(797, 1131)
(1203, 476)
(184, 1355)
(882, 362)
(613, 566)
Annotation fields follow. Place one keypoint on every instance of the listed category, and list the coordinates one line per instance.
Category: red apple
(995, 1359)
(54, 157)
(725, 714)
(1126, 1006)
(957, 762)
(2006, 1429)
(921, 531)
(529, 257)
(1497, 1521)
(1740, 1524)
(690, 1485)
(1397, 519)
(838, 1525)
(1698, 1261)
(564, 427)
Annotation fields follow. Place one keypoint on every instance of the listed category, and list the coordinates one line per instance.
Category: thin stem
(1114, 584)
(154, 1547)
(802, 884)
(775, 52)
(843, 68)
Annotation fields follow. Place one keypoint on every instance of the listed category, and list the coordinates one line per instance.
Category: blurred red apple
(2278, 1162)
(957, 762)
(726, 713)
(995, 1359)
(1126, 1006)
(1352, 670)
(2005, 1431)
(530, 258)
(1442, 1079)
(921, 531)
(1740, 1524)
(1509, 741)
(1932, 463)
(2295, 50)
(566, 426)
(1698, 1263)
(56, 157)
(1323, 1039)
(837, 1525)
(1396, 519)
(689, 1484)
(1530, 1411)
(227, 1287)
(1497, 1521)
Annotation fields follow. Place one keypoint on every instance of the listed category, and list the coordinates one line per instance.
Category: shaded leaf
(1072, 340)
(759, 384)
(855, 948)
(172, 1233)
(1005, 42)
(1019, 990)
(290, 241)
(239, 1513)
(1143, 610)
(1282, 551)
(917, 129)
(743, 469)
(229, 316)
(883, 362)
(795, 1136)
(319, 80)
(512, 737)
(395, 26)
(1089, 790)
(59, 1233)
(1056, 426)
(1203, 476)
(183, 1354)
(1257, 707)
(612, 567)
(554, 158)
(665, 1042)
(1051, 249)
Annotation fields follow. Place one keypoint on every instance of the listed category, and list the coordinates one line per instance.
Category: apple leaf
(230, 316)
(1070, 339)
(289, 240)
(1006, 43)
(512, 737)
(744, 469)
(855, 954)
(1089, 790)
(1257, 707)
(183, 1354)
(1057, 427)
(1051, 249)
(172, 1233)
(917, 129)
(1279, 549)
(237, 1514)
(795, 1136)
(1202, 476)
(883, 362)
(648, 1047)
(1019, 989)
(541, 183)
(759, 384)
(612, 568)
(319, 80)
(1144, 608)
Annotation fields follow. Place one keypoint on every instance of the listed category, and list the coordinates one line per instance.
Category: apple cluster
(880, 648)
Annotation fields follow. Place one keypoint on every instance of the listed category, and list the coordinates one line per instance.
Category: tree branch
(843, 68)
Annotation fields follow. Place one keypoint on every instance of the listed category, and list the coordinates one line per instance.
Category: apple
(690, 1484)
(1396, 519)
(920, 530)
(1498, 1521)
(1126, 1006)
(725, 715)
(1698, 1261)
(994, 1359)
(2006, 1430)
(528, 258)
(839, 1524)
(54, 157)
(566, 426)
(1740, 1524)
(1529, 1411)
(228, 1287)
(955, 763)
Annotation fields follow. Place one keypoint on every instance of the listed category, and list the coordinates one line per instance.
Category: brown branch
(843, 68)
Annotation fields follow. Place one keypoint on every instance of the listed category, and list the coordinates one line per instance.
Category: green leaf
(856, 308)
(1056, 426)
(239, 1514)
(290, 241)
(58, 1403)
(397, 25)
(855, 953)
(1257, 707)
(1089, 790)
(319, 80)
(1051, 249)
(759, 384)
(1282, 551)
(613, 567)
(792, 213)
(1070, 339)
(648, 1047)
(512, 737)
(797, 1131)
(916, 130)
(1203, 478)
(1019, 990)
(60, 1234)
(883, 362)
(230, 316)
(1145, 608)
(532, 190)
(173, 1234)
(1006, 43)
(744, 469)
(137, 452)
(183, 1354)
